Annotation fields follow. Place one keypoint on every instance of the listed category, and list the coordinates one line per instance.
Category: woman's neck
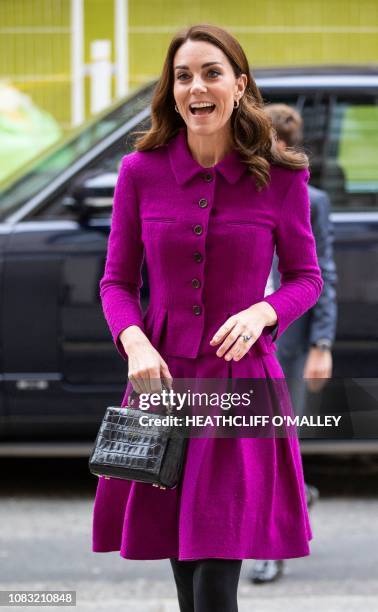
(208, 150)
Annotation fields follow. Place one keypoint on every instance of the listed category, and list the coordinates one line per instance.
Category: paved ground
(45, 542)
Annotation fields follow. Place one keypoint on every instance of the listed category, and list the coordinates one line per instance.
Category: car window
(49, 166)
(350, 170)
(104, 172)
(313, 107)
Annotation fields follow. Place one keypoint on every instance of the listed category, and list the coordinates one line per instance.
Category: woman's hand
(250, 322)
(147, 369)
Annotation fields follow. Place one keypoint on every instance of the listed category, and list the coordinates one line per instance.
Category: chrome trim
(339, 447)
(83, 449)
(353, 217)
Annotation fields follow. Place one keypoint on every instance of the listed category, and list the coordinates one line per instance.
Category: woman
(205, 198)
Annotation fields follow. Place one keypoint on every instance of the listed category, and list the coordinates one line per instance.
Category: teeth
(201, 105)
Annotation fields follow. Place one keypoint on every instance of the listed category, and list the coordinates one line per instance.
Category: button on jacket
(213, 226)
(208, 237)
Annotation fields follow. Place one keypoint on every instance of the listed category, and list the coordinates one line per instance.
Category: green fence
(36, 38)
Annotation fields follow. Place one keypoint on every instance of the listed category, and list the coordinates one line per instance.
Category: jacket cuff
(275, 331)
(271, 331)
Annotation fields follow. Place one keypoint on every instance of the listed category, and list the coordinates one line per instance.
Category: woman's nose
(197, 86)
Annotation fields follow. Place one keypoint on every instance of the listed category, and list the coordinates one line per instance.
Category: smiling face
(203, 74)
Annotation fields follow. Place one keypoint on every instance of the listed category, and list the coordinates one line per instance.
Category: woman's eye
(213, 72)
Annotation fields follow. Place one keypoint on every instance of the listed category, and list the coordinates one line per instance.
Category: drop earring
(237, 104)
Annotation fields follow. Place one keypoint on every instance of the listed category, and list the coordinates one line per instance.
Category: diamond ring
(246, 338)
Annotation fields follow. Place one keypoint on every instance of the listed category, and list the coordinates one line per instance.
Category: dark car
(59, 367)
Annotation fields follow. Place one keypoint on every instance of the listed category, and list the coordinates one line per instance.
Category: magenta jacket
(164, 203)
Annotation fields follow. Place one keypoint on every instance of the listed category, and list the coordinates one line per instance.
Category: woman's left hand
(250, 322)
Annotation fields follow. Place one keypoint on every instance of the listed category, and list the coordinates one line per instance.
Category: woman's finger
(154, 381)
(240, 348)
(141, 378)
(166, 375)
(135, 384)
(222, 332)
(229, 340)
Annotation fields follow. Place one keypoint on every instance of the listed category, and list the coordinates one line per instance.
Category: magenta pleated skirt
(238, 498)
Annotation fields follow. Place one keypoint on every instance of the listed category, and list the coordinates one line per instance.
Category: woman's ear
(241, 84)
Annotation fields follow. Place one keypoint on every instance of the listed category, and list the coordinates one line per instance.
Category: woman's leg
(183, 574)
(215, 584)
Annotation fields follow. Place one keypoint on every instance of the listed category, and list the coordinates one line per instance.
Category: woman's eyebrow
(203, 65)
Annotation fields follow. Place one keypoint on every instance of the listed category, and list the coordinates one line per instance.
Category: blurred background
(76, 80)
(73, 58)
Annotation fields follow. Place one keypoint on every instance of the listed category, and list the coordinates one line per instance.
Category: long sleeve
(122, 279)
(301, 280)
(323, 317)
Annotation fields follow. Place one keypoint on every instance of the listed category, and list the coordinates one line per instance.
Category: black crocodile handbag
(126, 449)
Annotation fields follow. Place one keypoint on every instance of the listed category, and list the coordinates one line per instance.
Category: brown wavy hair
(253, 133)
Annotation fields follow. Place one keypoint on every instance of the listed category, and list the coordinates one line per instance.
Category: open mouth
(202, 110)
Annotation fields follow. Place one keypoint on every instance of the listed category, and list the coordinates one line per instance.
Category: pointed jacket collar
(185, 167)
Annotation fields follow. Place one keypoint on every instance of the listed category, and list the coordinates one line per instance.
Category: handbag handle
(134, 394)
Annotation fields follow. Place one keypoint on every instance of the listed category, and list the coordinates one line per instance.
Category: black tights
(207, 585)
